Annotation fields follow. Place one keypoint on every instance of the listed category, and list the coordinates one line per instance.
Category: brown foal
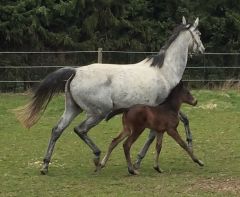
(161, 118)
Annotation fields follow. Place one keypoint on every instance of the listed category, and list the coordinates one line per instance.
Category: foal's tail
(55, 82)
(115, 112)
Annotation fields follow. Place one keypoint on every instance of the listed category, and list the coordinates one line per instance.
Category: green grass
(216, 131)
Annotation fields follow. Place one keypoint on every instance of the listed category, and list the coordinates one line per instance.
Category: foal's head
(183, 95)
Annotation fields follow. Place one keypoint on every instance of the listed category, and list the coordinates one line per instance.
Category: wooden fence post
(100, 55)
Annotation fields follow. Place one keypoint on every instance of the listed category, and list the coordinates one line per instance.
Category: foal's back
(156, 118)
(162, 116)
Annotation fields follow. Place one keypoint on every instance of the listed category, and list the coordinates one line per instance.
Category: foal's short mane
(180, 86)
(157, 60)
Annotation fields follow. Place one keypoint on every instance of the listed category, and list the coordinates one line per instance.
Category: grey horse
(98, 89)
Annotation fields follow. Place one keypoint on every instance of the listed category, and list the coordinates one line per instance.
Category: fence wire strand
(205, 64)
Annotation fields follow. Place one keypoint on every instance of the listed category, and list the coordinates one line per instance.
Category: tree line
(129, 25)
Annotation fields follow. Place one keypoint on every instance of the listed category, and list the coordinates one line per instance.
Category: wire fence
(21, 70)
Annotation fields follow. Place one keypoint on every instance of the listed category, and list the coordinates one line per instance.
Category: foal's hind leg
(71, 111)
(144, 149)
(113, 144)
(175, 135)
(82, 131)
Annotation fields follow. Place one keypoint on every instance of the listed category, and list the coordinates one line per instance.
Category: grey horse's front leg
(144, 150)
(183, 117)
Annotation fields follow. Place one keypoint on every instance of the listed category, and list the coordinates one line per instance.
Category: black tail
(115, 112)
(52, 84)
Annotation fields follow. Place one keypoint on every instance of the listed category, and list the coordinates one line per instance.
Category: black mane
(157, 60)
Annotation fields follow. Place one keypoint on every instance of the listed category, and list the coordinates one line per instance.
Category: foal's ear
(184, 22)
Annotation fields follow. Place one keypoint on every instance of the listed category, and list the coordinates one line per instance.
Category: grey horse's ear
(184, 22)
(195, 24)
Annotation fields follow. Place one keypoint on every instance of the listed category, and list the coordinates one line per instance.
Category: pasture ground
(215, 124)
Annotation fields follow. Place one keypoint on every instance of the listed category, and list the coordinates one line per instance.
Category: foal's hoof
(200, 163)
(44, 171)
(159, 170)
(133, 172)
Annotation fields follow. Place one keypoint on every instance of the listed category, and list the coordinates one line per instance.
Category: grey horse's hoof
(159, 170)
(44, 171)
(133, 172)
(190, 147)
(99, 167)
(200, 163)
(136, 165)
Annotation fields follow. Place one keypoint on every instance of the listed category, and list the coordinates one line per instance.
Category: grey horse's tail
(115, 112)
(55, 82)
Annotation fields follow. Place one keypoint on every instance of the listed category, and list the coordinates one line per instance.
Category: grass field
(215, 124)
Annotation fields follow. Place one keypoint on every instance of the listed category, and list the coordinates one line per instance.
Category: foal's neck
(173, 102)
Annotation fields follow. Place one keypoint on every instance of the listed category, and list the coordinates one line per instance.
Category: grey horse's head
(196, 45)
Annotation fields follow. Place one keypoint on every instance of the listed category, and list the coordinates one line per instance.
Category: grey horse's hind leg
(82, 131)
(144, 150)
(71, 111)
(183, 117)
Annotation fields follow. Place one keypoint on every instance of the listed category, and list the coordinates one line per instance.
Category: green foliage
(130, 25)
(113, 25)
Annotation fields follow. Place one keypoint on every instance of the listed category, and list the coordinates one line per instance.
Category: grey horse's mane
(157, 60)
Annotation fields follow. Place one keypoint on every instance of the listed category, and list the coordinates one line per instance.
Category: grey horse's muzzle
(202, 49)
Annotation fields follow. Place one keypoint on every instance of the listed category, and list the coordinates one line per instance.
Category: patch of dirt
(210, 106)
(39, 163)
(35, 163)
(218, 185)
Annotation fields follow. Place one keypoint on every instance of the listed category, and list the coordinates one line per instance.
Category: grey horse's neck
(176, 59)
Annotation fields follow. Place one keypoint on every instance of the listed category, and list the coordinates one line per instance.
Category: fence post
(99, 55)
(205, 70)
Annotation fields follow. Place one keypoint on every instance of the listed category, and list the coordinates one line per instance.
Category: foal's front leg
(175, 135)
(158, 150)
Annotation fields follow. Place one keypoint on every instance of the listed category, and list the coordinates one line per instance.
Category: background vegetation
(128, 25)
(142, 25)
